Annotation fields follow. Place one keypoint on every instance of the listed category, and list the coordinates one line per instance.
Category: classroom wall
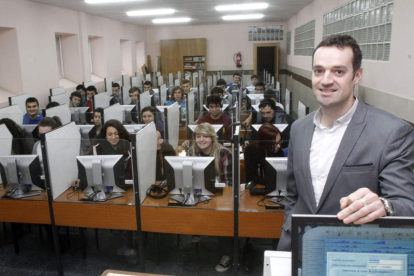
(385, 84)
(223, 41)
(36, 68)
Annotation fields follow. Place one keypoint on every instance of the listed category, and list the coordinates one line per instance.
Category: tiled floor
(184, 259)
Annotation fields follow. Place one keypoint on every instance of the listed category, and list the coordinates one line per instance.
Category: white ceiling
(201, 11)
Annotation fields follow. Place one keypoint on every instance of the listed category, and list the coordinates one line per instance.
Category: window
(59, 56)
(369, 22)
(305, 39)
(288, 42)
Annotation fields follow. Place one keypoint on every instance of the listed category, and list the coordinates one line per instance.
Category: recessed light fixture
(242, 16)
(171, 20)
(150, 12)
(243, 7)
(107, 1)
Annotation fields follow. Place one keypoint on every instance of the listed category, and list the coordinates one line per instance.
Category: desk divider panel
(135, 82)
(108, 86)
(62, 147)
(102, 99)
(12, 112)
(190, 107)
(177, 82)
(288, 101)
(125, 95)
(61, 99)
(172, 114)
(148, 77)
(113, 112)
(160, 80)
(144, 100)
(146, 154)
(200, 96)
(6, 139)
(57, 91)
(170, 79)
(126, 80)
(62, 111)
(163, 94)
(19, 100)
(140, 78)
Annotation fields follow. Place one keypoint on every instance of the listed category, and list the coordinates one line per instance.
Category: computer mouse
(101, 196)
(250, 184)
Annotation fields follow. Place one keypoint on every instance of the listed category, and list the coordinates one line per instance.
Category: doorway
(266, 57)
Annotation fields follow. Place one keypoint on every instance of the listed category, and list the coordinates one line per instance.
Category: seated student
(177, 95)
(268, 144)
(133, 94)
(90, 92)
(205, 143)
(186, 85)
(163, 149)
(20, 143)
(32, 117)
(228, 99)
(215, 115)
(81, 89)
(97, 121)
(271, 113)
(148, 87)
(236, 80)
(259, 89)
(149, 114)
(253, 80)
(114, 139)
(116, 94)
(75, 99)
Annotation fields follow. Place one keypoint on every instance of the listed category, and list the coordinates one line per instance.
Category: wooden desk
(33, 209)
(118, 213)
(212, 219)
(256, 221)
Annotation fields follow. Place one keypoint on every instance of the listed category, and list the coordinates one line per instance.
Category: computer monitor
(191, 177)
(275, 176)
(218, 128)
(128, 113)
(133, 129)
(100, 174)
(85, 139)
(255, 98)
(31, 131)
(57, 91)
(80, 115)
(224, 108)
(21, 175)
(256, 127)
(324, 245)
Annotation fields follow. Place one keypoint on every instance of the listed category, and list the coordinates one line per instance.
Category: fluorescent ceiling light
(108, 1)
(242, 16)
(243, 7)
(150, 12)
(171, 20)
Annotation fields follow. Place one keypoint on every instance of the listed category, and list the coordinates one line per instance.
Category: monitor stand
(17, 193)
(99, 195)
(277, 199)
(188, 198)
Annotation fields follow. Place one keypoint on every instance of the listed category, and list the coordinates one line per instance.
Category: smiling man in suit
(347, 159)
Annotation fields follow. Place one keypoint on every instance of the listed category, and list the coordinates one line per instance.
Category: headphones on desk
(158, 191)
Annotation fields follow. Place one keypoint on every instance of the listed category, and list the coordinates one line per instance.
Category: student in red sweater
(215, 115)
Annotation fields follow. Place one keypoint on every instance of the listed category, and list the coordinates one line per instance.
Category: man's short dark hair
(267, 102)
(52, 104)
(254, 76)
(92, 88)
(269, 94)
(115, 84)
(217, 90)
(221, 82)
(260, 83)
(32, 100)
(75, 94)
(133, 89)
(80, 86)
(147, 83)
(185, 81)
(213, 99)
(237, 74)
(342, 41)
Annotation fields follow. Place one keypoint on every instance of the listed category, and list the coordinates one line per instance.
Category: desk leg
(5, 230)
(97, 239)
(40, 234)
(275, 243)
(157, 241)
(15, 237)
(82, 233)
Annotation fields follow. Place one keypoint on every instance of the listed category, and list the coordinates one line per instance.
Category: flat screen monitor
(106, 172)
(31, 131)
(218, 128)
(80, 115)
(133, 129)
(255, 98)
(324, 245)
(190, 174)
(21, 174)
(275, 176)
(225, 107)
(256, 127)
(129, 111)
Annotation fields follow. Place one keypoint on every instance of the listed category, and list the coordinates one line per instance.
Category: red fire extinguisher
(238, 59)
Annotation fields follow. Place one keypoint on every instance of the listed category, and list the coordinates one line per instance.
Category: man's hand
(361, 207)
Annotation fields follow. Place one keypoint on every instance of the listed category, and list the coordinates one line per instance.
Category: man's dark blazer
(376, 152)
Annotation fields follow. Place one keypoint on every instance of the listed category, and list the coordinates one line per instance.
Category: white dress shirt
(325, 144)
